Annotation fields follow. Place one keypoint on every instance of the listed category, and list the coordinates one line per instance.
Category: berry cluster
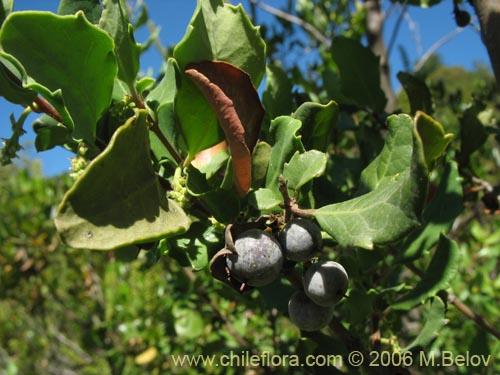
(256, 259)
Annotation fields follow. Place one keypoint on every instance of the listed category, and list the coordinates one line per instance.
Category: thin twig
(464, 309)
(476, 317)
(156, 40)
(445, 39)
(41, 105)
(241, 340)
(484, 185)
(293, 19)
(290, 204)
(415, 32)
(157, 131)
(395, 32)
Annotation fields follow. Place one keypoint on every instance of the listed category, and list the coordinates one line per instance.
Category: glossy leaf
(161, 101)
(6, 7)
(438, 216)
(359, 72)
(302, 168)
(442, 269)
(393, 189)
(433, 137)
(211, 160)
(91, 8)
(144, 84)
(472, 132)
(212, 196)
(56, 100)
(260, 161)
(434, 316)
(83, 67)
(283, 131)
(167, 88)
(200, 129)
(115, 22)
(318, 121)
(266, 200)
(118, 200)
(222, 32)
(49, 133)
(193, 248)
(277, 97)
(418, 93)
(12, 78)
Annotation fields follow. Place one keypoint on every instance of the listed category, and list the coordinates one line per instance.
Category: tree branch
(374, 26)
(476, 317)
(445, 39)
(293, 19)
(488, 13)
(239, 339)
(464, 309)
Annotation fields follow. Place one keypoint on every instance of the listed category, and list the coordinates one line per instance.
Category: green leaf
(359, 72)
(212, 196)
(212, 160)
(199, 127)
(5, 9)
(442, 269)
(49, 133)
(302, 168)
(12, 78)
(434, 316)
(277, 97)
(418, 93)
(438, 216)
(318, 121)
(393, 188)
(167, 88)
(144, 84)
(161, 102)
(283, 131)
(115, 22)
(194, 247)
(472, 132)
(55, 99)
(67, 53)
(91, 8)
(11, 146)
(260, 161)
(217, 31)
(359, 305)
(188, 322)
(433, 137)
(276, 295)
(118, 199)
(220, 31)
(266, 200)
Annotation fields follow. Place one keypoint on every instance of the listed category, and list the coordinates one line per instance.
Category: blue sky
(465, 49)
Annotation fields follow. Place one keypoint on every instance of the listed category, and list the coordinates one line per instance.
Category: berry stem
(290, 204)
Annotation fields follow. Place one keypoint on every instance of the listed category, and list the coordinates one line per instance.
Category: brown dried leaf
(237, 86)
(236, 103)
